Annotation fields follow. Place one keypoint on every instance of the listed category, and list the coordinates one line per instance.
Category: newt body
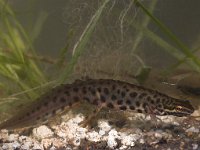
(109, 93)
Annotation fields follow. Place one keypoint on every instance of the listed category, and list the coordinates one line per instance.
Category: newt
(112, 94)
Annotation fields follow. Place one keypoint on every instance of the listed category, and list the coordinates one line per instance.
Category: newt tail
(109, 93)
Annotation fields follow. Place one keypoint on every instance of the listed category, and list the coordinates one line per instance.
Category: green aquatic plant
(181, 52)
(18, 72)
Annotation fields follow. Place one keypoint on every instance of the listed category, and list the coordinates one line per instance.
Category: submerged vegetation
(100, 42)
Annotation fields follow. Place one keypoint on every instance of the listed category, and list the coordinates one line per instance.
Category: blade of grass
(166, 46)
(13, 36)
(37, 27)
(144, 23)
(184, 49)
(158, 40)
(64, 50)
(83, 40)
(171, 68)
(6, 12)
(143, 70)
(15, 43)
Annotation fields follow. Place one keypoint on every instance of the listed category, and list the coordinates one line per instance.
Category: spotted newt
(112, 94)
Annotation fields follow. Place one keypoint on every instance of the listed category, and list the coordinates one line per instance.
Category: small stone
(52, 148)
(13, 137)
(102, 132)
(195, 146)
(42, 132)
(59, 142)
(123, 147)
(26, 145)
(46, 143)
(129, 140)
(141, 141)
(22, 138)
(112, 135)
(5, 146)
(36, 146)
(71, 130)
(16, 145)
(158, 135)
(3, 135)
(93, 136)
(103, 125)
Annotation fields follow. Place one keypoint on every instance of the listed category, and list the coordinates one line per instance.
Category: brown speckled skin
(109, 93)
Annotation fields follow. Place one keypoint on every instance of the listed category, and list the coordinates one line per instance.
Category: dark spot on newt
(45, 103)
(62, 99)
(142, 95)
(123, 94)
(95, 102)
(75, 89)
(110, 105)
(122, 108)
(76, 99)
(106, 91)
(84, 91)
(113, 87)
(158, 100)
(133, 94)
(113, 97)
(120, 102)
(139, 110)
(137, 103)
(128, 102)
(38, 108)
(132, 107)
(86, 98)
(102, 98)
(28, 114)
(99, 89)
(67, 93)
(93, 91)
(118, 91)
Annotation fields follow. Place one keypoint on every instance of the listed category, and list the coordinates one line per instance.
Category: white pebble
(158, 135)
(13, 137)
(123, 147)
(46, 143)
(5, 146)
(103, 125)
(42, 132)
(141, 141)
(22, 138)
(129, 140)
(52, 148)
(16, 145)
(4, 135)
(26, 145)
(102, 132)
(195, 146)
(112, 135)
(93, 136)
(72, 131)
(36, 146)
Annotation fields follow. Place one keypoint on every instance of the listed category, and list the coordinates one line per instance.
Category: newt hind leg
(91, 118)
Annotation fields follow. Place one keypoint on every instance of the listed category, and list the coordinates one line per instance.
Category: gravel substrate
(138, 132)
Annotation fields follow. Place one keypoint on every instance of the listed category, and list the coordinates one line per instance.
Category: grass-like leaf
(182, 47)
(83, 40)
